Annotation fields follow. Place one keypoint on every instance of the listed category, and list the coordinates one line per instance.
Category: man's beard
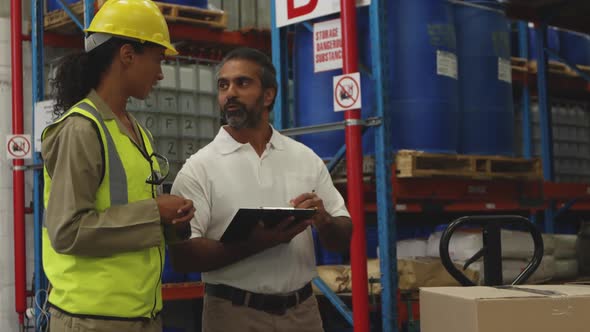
(242, 117)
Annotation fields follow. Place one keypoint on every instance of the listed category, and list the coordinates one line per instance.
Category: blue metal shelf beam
(523, 52)
(40, 280)
(383, 160)
(280, 59)
(71, 14)
(545, 118)
(334, 299)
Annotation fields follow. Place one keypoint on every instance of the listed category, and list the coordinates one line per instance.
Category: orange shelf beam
(183, 291)
(463, 195)
(202, 36)
(220, 38)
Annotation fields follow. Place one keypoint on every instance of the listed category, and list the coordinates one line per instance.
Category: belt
(270, 303)
(110, 318)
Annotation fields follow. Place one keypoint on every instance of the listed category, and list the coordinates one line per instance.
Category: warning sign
(18, 146)
(347, 92)
(43, 117)
(327, 45)
(293, 11)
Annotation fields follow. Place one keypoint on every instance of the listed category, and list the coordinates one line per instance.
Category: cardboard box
(539, 308)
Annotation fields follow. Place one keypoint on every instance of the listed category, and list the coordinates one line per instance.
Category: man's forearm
(335, 235)
(203, 255)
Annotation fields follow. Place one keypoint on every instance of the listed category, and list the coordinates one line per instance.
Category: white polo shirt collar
(227, 144)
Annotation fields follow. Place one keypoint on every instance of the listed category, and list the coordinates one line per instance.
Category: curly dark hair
(78, 73)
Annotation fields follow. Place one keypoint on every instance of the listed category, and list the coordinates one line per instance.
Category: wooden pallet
(60, 21)
(519, 64)
(411, 164)
(554, 67)
(193, 15)
(585, 69)
(339, 171)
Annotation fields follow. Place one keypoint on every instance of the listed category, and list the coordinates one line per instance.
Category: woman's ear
(127, 54)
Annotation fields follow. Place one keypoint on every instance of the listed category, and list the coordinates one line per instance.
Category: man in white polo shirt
(263, 282)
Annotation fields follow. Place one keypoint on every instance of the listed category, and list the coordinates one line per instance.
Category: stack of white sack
(517, 250)
(566, 263)
(411, 248)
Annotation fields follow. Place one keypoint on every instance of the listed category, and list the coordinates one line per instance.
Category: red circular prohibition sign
(18, 150)
(346, 93)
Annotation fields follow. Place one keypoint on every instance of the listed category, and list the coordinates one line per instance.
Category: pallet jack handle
(492, 248)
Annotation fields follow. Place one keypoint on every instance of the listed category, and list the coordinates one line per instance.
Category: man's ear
(126, 54)
(269, 96)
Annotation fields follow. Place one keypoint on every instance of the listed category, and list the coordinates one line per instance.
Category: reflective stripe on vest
(117, 177)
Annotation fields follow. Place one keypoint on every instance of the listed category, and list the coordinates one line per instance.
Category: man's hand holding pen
(312, 201)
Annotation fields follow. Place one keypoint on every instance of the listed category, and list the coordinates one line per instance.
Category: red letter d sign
(293, 11)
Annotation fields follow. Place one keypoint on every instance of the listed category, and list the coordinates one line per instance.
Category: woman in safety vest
(103, 234)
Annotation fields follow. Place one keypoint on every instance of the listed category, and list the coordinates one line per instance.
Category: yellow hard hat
(135, 19)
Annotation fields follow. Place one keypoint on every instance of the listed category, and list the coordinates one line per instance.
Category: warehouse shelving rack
(398, 196)
(565, 14)
(552, 198)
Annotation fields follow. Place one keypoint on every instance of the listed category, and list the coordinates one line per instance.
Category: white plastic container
(187, 103)
(170, 148)
(169, 125)
(189, 126)
(188, 147)
(167, 102)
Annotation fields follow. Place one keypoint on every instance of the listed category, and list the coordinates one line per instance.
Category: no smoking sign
(18, 146)
(347, 92)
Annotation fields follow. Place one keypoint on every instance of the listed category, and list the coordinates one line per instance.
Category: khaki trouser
(221, 315)
(61, 322)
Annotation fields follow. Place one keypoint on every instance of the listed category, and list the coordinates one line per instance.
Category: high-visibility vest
(128, 284)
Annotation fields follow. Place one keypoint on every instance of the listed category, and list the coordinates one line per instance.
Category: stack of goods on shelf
(486, 104)
(415, 268)
(570, 46)
(575, 48)
(571, 138)
(410, 248)
(181, 112)
(558, 263)
(425, 84)
(413, 273)
(245, 15)
(583, 249)
(191, 12)
(566, 263)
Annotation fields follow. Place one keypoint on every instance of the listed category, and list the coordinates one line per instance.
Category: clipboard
(245, 219)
